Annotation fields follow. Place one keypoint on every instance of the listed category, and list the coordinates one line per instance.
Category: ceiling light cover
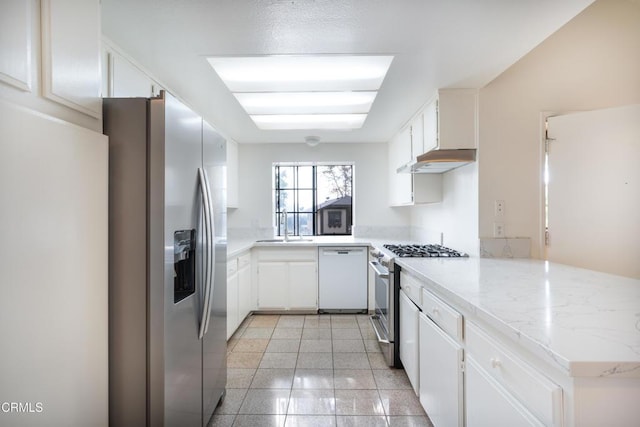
(306, 102)
(309, 121)
(302, 73)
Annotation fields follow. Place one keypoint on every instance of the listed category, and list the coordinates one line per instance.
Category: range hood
(439, 161)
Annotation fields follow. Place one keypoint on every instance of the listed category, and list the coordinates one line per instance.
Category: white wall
(370, 182)
(456, 217)
(593, 62)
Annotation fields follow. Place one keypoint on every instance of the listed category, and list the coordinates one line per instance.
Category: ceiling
(436, 44)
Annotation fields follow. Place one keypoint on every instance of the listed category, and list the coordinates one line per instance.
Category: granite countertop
(584, 322)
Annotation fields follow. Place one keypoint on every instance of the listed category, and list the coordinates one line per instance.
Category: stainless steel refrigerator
(167, 263)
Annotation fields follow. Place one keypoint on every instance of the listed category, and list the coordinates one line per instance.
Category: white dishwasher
(342, 279)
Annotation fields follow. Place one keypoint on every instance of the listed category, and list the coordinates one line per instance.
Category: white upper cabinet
(400, 184)
(406, 188)
(430, 125)
(15, 43)
(71, 54)
(232, 174)
(451, 120)
(417, 136)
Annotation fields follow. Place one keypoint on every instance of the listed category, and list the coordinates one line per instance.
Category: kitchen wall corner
(511, 247)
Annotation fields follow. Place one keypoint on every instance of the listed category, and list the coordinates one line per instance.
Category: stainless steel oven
(386, 320)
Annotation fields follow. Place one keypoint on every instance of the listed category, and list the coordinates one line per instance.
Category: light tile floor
(313, 370)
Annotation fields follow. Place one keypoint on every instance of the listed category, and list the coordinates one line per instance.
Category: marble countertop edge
(574, 363)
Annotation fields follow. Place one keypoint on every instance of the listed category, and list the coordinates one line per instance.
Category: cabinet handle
(495, 362)
(435, 311)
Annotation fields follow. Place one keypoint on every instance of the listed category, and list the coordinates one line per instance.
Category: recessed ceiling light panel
(305, 91)
(306, 102)
(302, 73)
(309, 121)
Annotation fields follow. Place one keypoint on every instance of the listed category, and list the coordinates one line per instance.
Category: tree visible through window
(317, 198)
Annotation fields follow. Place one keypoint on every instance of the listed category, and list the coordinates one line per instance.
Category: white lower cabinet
(409, 351)
(303, 285)
(441, 378)
(273, 285)
(524, 390)
(239, 301)
(245, 301)
(287, 279)
(489, 404)
(232, 297)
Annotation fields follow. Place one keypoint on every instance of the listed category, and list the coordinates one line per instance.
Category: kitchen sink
(294, 240)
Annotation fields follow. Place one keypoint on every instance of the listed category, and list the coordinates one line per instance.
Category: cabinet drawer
(244, 260)
(287, 254)
(442, 314)
(232, 266)
(534, 391)
(411, 287)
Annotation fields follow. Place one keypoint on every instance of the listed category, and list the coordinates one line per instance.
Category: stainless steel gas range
(385, 321)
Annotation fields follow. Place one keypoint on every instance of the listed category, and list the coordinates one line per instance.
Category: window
(317, 198)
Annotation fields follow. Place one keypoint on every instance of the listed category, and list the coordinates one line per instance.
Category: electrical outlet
(498, 229)
(499, 207)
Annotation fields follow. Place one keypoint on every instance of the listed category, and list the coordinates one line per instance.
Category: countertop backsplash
(509, 247)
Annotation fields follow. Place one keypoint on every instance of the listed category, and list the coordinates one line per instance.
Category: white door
(54, 263)
(440, 375)
(245, 303)
(272, 285)
(594, 190)
(488, 404)
(303, 285)
(232, 304)
(409, 354)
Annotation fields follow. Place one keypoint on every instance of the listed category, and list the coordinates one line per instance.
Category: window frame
(295, 214)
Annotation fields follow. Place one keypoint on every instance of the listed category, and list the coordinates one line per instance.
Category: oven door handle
(379, 269)
(373, 320)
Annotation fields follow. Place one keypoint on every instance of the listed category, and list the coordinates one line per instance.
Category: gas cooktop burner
(423, 251)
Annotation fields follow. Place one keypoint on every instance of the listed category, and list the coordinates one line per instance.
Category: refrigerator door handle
(207, 250)
(212, 253)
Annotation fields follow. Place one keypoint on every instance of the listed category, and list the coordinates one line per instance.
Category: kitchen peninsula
(576, 330)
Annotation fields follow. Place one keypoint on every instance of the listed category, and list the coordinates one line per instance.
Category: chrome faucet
(284, 220)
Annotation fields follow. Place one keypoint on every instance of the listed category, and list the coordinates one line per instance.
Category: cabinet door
(430, 116)
(71, 54)
(409, 315)
(400, 184)
(232, 304)
(232, 174)
(488, 404)
(440, 375)
(273, 285)
(417, 136)
(303, 285)
(245, 303)
(15, 43)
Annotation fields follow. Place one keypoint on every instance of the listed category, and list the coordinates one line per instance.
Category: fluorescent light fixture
(302, 73)
(309, 121)
(304, 91)
(306, 102)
